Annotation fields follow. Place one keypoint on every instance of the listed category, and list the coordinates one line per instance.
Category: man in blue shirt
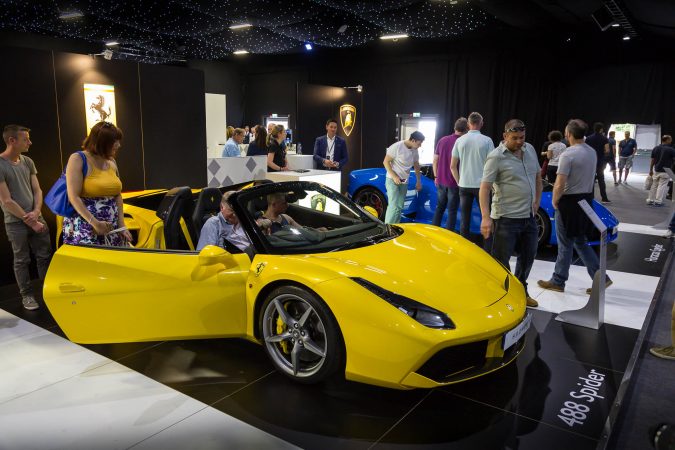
(627, 149)
(223, 227)
(232, 144)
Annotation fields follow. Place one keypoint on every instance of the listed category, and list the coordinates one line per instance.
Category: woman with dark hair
(259, 145)
(97, 194)
(276, 155)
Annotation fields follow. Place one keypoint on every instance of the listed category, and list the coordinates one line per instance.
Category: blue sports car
(366, 187)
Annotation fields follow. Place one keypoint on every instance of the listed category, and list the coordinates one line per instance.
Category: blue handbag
(57, 197)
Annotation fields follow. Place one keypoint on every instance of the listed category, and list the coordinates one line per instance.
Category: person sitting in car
(276, 207)
(225, 227)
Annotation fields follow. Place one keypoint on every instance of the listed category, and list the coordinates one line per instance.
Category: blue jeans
(671, 226)
(466, 197)
(520, 235)
(396, 198)
(566, 247)
(446, 196)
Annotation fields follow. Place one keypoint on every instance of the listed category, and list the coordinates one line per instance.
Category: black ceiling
(165, 31)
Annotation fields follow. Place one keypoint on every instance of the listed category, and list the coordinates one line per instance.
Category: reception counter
(229, 171)
(332, 179)
(300, 161)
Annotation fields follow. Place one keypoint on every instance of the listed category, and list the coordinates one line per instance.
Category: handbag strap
(85, 167)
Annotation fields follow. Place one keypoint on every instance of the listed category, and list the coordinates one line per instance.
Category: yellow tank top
(101, 183)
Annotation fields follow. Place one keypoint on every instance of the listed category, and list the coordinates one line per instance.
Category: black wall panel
(28, 99)
(225, 78)
(164, 140)
(174, 124)
(272, 92)
(72, 73)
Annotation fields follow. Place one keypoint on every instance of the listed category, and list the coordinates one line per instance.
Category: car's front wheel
(300, 335)
(370, 196)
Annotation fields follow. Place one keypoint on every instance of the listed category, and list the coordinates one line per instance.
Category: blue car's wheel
(543, 227)
(301, 335)
(370, 196)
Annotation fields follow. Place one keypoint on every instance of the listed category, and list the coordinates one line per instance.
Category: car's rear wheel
(543, 227)
(300, 335)
(370, 196)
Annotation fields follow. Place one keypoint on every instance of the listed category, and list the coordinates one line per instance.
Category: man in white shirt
(400, 158)
(471, 150)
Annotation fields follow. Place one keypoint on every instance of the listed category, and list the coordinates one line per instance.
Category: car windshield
(306, 217)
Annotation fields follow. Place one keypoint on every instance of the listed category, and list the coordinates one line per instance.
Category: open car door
(111, 294)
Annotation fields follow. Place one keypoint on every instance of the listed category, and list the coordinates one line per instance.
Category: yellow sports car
(332, 292)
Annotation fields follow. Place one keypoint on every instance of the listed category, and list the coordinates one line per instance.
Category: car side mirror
(212, 255)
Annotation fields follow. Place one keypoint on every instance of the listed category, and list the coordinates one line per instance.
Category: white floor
(626, 300)
(58, 395)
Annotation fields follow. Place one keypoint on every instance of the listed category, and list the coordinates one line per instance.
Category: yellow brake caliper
(281, 327)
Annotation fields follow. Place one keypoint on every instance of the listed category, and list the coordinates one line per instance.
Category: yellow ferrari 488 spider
(324, 286)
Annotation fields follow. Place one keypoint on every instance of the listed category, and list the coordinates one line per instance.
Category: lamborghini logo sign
(347, 118)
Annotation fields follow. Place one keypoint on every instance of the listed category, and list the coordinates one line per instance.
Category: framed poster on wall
(99, 104)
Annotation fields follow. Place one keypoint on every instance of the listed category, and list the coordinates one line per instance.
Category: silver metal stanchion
(592, 315)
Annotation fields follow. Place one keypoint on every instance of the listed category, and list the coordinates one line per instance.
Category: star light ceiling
(157, 32)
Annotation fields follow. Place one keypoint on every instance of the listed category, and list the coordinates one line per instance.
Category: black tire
(370, 196)
(543, 228)
(306, 344)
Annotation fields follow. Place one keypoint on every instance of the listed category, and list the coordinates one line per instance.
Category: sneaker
(606, 201)
(625, 181)
(551, 286)
(607, 284)
(532, 303)
(650, 202)
(663, 352)
(657, 204)
(29, 303)
(616, 183)
(669, 235)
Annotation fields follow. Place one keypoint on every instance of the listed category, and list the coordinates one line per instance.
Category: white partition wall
(216, 124)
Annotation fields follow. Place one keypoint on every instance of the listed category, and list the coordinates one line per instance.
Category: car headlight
(426, 315)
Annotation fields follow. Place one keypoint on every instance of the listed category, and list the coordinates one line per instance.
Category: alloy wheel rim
(295, 335)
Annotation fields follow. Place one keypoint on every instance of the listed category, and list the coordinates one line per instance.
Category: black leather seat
(177, 204)
(208, 205)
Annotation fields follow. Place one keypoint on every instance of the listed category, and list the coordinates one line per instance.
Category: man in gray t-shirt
(21, 201)
(574, 182)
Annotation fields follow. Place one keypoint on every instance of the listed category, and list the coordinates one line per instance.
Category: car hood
(425, 263)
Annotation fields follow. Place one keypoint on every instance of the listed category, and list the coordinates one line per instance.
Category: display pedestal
(592, 315)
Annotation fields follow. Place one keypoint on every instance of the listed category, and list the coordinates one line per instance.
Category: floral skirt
(77, 231)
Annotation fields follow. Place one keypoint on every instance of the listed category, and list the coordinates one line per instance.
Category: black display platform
(524, 406)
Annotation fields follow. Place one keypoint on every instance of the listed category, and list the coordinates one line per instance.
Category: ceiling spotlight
(240, 52)
(615, 25)
(359, 88)
(394, 37)
(342, 29)
(74, 14)
(308, 46)
(108, 54)
(240, 26)
(111, 43)
(626, 38)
